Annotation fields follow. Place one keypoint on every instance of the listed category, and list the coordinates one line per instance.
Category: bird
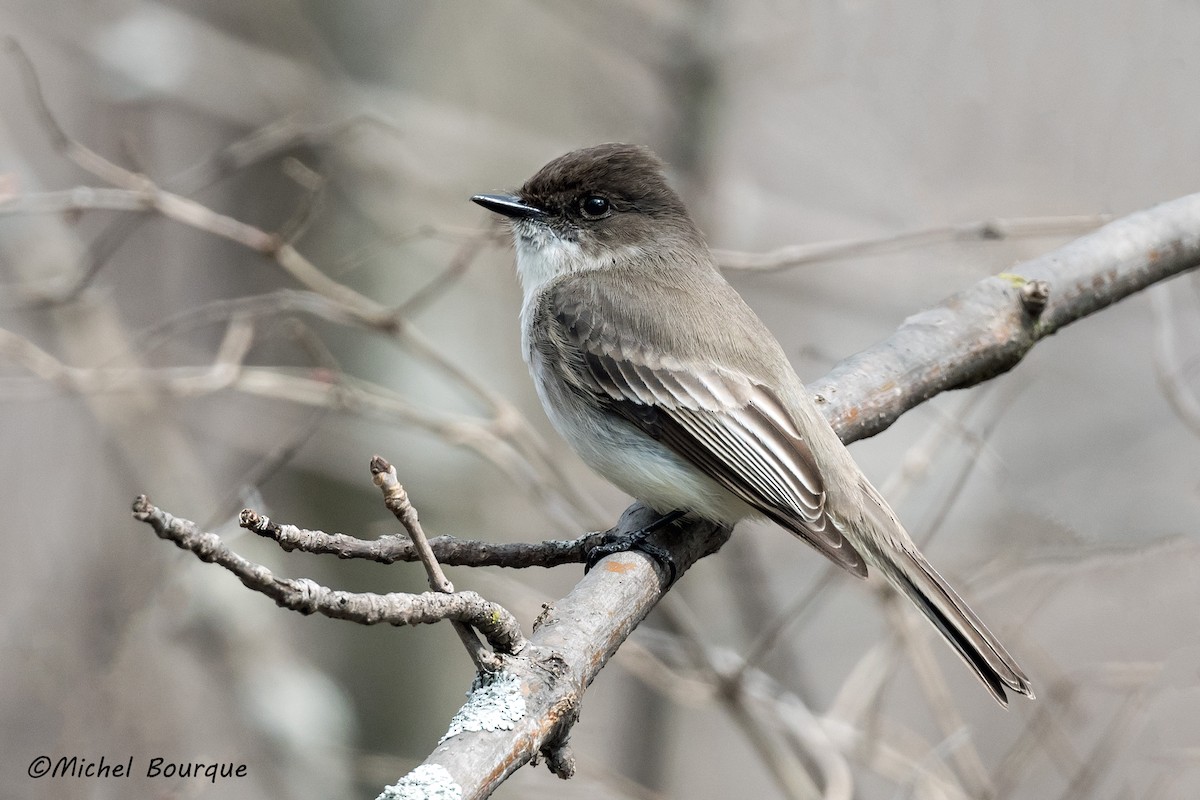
(666, 383)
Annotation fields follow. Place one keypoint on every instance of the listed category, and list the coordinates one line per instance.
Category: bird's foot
(636, 540)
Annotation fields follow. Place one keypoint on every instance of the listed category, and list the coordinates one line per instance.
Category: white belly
(630, 459)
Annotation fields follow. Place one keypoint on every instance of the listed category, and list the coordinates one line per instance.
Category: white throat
(542, 256)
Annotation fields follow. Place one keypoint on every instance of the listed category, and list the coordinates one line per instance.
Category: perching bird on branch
(666, 383)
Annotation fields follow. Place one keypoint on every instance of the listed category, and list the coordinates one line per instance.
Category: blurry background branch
(507, 424)
(799, 255)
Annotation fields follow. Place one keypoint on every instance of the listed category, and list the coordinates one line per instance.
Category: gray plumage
(656, 371)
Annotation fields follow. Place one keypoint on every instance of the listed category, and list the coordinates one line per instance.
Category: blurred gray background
(1063, 495)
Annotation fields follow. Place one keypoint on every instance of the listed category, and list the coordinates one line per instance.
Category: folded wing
(731, 427)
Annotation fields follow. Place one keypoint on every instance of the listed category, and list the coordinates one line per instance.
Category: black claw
(595, 554)
(663, 557)
(637, 541)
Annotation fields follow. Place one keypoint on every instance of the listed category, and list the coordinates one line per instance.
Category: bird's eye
(594, 206)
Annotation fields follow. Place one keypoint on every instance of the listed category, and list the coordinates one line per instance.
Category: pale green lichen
(426, 782)
(495, 703)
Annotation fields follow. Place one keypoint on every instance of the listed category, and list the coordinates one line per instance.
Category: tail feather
(907, 570)
(955, 620)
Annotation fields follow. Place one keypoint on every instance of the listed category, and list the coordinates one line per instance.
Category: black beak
(508, 205)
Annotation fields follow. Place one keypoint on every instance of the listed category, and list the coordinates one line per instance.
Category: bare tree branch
(534, 694)
(985, 330)
(449, 550)
(498, 626)
(396, 500)
(571, 643)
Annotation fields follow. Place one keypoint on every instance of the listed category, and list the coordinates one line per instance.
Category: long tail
(979, 648)
(907, 570)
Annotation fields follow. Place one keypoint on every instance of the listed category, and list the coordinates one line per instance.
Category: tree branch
(986, 330)
(396, 500)
(449, 550)
(498, 626)
(571, 643)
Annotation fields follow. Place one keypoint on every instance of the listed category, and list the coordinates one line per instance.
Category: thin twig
(498, 626)
(313, 184)
(1105, 754)
(396, 500)
(449, 550)
(983, 230)
(466, 254)
(897, 754)
(1042, 735)
(976, 444)
(793, 614)
(284, 450)
(225, 371)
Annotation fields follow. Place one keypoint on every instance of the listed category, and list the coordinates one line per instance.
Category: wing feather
(734, 429)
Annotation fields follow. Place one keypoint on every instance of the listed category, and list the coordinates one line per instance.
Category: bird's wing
(732, 427)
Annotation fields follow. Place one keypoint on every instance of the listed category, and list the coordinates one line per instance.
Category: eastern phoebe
(666, 383)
